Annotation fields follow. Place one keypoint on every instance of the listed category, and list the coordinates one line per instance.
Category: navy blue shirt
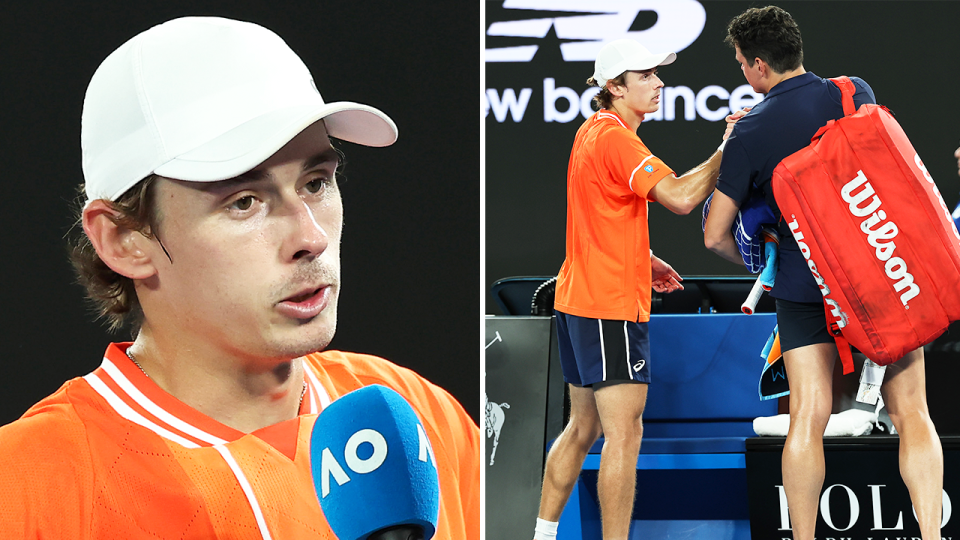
(784, 122)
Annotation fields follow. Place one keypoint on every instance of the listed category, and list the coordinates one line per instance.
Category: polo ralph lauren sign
(863, 496)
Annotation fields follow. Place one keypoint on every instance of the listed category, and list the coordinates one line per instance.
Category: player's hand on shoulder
(732, 120)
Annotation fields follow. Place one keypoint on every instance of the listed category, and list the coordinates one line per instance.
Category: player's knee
(628, 434)
(812, 416)
(910, 419)
(582, 433)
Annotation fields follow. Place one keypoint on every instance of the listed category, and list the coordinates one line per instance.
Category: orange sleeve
(466, 447)
(629, 161)
(470, 462)
(459, 436)
(46, 479)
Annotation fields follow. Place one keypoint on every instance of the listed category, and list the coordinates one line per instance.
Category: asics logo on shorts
(639, 365)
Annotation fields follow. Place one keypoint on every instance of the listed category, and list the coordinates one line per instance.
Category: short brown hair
(768, 33)
(604, 99)
(113, 296)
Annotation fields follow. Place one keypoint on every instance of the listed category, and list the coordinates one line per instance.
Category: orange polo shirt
(113, 456)
(606, 273)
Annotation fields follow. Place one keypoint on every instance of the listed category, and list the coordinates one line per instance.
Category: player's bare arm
(682, 194)
(716, 233)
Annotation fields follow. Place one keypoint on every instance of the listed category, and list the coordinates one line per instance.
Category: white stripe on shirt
(247, 490)
(321, 393)
(136, 395)
(127, 412)
(634, 173)
(602, 114)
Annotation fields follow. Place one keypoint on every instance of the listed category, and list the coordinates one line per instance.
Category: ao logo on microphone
(374, 446)
(679, 23)
(371, 444)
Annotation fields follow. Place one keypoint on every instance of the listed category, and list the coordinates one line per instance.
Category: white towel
(849, 423)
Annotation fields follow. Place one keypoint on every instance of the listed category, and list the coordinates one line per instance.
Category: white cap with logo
(205, 99)
(626, 55)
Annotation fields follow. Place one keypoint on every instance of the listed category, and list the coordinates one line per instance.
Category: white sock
(546, 530)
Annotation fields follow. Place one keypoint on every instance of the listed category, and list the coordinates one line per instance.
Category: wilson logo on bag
(880, 233)
(835, 315)
(876, 233)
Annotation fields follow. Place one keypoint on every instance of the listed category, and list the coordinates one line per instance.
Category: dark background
(909, 52)
(410, 252)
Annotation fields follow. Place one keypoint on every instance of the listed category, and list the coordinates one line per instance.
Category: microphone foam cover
(373, 465)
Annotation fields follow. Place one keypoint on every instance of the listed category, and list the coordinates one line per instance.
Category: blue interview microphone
(374, 469)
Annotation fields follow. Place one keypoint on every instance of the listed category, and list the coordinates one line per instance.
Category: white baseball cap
(626, 55)
(205, 99)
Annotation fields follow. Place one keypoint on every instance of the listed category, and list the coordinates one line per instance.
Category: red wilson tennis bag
(875, 231)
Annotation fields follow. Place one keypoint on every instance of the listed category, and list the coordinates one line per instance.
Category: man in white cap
(211, 224)
(603, 289)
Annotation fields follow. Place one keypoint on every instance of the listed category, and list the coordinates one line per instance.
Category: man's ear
(762, 66)
(125, 251)
(614, 88)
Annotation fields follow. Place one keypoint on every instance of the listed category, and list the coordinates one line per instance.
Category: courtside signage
(863, 495)
(593, 22)
(582, 27)
(563, 104)
(868, 512)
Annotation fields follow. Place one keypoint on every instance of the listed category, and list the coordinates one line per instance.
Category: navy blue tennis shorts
(597, 352)
(801, 324)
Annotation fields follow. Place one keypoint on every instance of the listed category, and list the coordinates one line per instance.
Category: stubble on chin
(296, 338)
(307, 336)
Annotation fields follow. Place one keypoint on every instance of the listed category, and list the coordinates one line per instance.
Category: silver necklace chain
(303, 391)
(134, 360)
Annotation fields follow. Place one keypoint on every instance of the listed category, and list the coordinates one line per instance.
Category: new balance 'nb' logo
(679, 23)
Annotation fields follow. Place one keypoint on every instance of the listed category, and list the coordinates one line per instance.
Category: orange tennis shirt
(113, 456)
(606, 273)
